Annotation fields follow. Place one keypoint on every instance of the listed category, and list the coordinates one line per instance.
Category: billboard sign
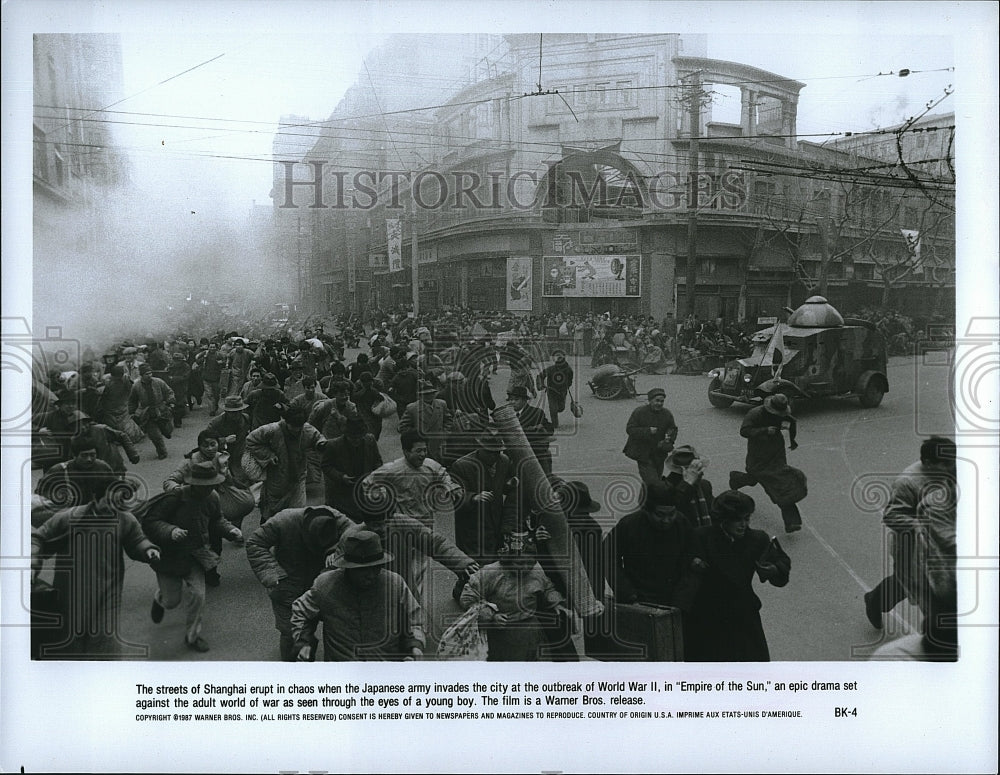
(591, 276)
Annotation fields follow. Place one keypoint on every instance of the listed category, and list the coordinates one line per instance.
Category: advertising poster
(591, 276)
(394, 234)
(519, 284)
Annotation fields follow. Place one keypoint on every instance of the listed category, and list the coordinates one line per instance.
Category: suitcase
(653, 632)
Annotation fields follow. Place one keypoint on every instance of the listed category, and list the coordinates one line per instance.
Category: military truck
(815, 354)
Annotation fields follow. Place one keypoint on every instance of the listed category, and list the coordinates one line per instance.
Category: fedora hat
(778, 406)
(145, 368)
(425, 388)
(575, 498)
(731, 505)
(203, 475)
(518, 391)
(270, 381)
(362, 549)
(233, 404)
(681, 457)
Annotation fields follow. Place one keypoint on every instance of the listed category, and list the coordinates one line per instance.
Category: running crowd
(347, 539)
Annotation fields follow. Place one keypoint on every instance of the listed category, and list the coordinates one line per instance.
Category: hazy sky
(228, 107)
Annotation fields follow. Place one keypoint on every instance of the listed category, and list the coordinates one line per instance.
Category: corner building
(573, 194)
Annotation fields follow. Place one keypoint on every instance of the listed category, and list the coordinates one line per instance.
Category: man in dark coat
(179, 522)
(537, 429)
(685, 481)
(725, 625)
(430, 417)
(486, 477)
(73, 482)
(287, 553)
(179, 377)
(109, 443)
(651, 434)
(211, 363)
(345, 461)
(556, 381)
(231, 428)
(766, 463)
(266, 402)
(88, 541)
(648, 553)
(151, 403)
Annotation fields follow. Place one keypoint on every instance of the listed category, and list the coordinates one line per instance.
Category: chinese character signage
(593, 276)
(519, 283)
(378, 261)
(394, 233)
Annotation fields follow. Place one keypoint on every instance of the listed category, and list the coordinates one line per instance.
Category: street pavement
(850, 455)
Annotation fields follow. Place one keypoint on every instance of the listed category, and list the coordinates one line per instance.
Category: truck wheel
(716, 401)
(871, 396)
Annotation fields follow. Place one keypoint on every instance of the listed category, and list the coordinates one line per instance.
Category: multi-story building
(561, 180)
(77, 161)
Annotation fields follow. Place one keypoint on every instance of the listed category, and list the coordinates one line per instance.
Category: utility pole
(414, 258)
(694, 97)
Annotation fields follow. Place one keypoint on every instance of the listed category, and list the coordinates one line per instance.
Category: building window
(623, 92)
(60, 166)
(40, 160)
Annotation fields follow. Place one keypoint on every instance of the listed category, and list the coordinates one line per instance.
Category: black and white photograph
(654, 344)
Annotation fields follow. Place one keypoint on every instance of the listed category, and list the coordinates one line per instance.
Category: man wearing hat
(179, 522)
(368, 613)
(345, 462)
(579, 508)
(687, 485)
(266, 402)
(651, 434)
(537, 429)
(724, 624)
(481, 521)
(231, 427)
(556, 381)
(151, 403)
(430, 417)
(287, 553)
(766, 463)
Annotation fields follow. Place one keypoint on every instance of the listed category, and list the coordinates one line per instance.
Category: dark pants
(889, 593)
(651, 469)
(158, 430)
